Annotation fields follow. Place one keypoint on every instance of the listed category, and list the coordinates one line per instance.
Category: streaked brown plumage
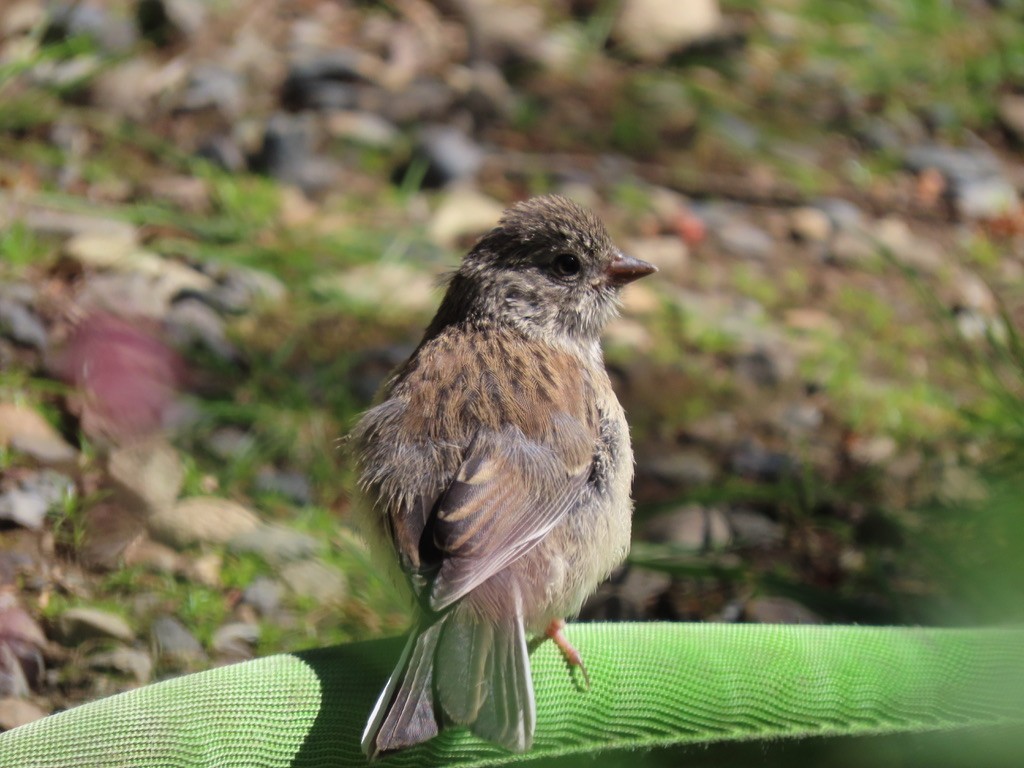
(497, 467)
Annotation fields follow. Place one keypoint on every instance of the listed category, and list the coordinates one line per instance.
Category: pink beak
(625, 269)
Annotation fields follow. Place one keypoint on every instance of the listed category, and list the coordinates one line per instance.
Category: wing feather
(509, 493)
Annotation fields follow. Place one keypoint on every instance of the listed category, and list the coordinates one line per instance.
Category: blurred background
(222, 222)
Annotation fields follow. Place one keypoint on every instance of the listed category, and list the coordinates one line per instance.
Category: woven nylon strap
(652, 684)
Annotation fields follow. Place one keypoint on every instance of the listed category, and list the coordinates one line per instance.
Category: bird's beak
(625, 269)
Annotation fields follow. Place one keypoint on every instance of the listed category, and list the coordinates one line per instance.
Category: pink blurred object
(690, 227)
(127, 376)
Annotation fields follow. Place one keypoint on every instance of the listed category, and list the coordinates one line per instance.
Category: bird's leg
(572, 656)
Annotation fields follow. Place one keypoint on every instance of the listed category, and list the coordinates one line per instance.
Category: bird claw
(572, 656)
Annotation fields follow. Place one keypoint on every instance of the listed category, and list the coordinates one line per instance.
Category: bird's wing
(509, 493)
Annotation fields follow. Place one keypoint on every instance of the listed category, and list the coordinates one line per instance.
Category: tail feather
(483, 678)
(461, 665)
(480, 674)
(404, 713)
(508, 716)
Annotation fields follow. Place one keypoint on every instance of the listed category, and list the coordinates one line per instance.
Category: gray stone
(681, 468)
(67, 73)
(264, 594)
(149, 473)
(23, 293)
(130, 294)
(287, 147)
(51, 486)
(986, 198)
(191, 322)
(329, 80)
(893, 235)
(463, 212)
(19, 569)
(741, 318)
(287, 154)
(15, 712)
(235, 640)
(23, 423)
(974, 293)
(880, 135)
(843, 214)
(753, 460)
(395, 289)
(103, 250)
(811, 225)
(365, 128)
(206, 569)
(21, 18)
(632, 595)
(639, 591)
(876, 451)
(110, 31)
(14, 677)
(691, 527)
(319, 581)
(202, 519)
(762, 367)
(737, 131)
(230, 443)
(131, 87)
(77, 625)
(241, 289)
(174, 644)
(450, 155)
(1011, 115)
(291, 484)
(752, 529)
(851, 248)
(800, 418)
(21, 325)
(743, 239)
(668, 253)
(189, 194)
(502, 30)
(165, 21)
(654, 29)
(426, 99)
(128, 661)
(779, 610)
(47, 450)
(21, 644)
(23, 508)
(17, 624)
(974, 325)
(110, 531)
(211, 86)
(276, 544)
(957, 165)
(153, 556)
(224, 152)
(716, 429)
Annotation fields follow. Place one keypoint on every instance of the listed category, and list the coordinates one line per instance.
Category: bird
(495, 473)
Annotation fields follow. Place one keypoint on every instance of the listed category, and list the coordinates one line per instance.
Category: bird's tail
(404, 713)
(476, 671)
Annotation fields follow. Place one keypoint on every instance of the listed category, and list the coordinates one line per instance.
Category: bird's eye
(566, 265)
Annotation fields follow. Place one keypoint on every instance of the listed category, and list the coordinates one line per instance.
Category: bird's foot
(572, 656)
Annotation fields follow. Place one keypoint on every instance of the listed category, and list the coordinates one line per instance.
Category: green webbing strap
(653, 684)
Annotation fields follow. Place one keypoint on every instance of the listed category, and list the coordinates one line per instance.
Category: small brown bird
(498, 467)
